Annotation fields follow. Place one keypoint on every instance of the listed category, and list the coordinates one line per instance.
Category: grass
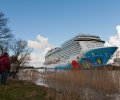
(69, 85)
(25, 90)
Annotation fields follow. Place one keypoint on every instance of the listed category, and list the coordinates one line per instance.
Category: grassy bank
(69, 85)
(24, 90)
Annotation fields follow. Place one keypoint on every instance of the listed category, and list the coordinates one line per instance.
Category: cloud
(40, 47)
(40, 43)
(114, 40)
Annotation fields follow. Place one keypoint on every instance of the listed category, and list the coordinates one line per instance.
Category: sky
(48, 23)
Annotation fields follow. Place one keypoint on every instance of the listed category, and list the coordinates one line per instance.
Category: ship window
(87, 44)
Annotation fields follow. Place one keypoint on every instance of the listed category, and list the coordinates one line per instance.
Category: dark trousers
(13, 74)
(4, 76)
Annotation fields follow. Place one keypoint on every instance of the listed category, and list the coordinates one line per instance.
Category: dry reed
(85, 84)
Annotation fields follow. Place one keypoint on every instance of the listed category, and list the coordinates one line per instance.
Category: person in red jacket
(4, 67)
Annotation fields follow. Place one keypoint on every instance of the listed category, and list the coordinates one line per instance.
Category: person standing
(4, 67)
(13, 69)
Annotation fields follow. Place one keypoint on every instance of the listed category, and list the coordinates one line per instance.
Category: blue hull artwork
(93, 58)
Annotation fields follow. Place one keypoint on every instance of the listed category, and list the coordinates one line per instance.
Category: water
(35, 75)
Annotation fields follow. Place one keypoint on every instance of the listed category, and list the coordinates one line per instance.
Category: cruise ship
(81, 52)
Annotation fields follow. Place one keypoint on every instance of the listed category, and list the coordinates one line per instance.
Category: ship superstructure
(79, 51)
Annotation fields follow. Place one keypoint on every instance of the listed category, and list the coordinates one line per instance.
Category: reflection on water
(35, 75)
(86, 83)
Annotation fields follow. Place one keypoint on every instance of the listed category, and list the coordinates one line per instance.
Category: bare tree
(5, 33)
(21, 52)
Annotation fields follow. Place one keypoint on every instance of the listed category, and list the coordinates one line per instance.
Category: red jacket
(4, 63)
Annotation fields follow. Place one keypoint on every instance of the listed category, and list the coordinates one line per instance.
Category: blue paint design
(95, 57)
(100, 56)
